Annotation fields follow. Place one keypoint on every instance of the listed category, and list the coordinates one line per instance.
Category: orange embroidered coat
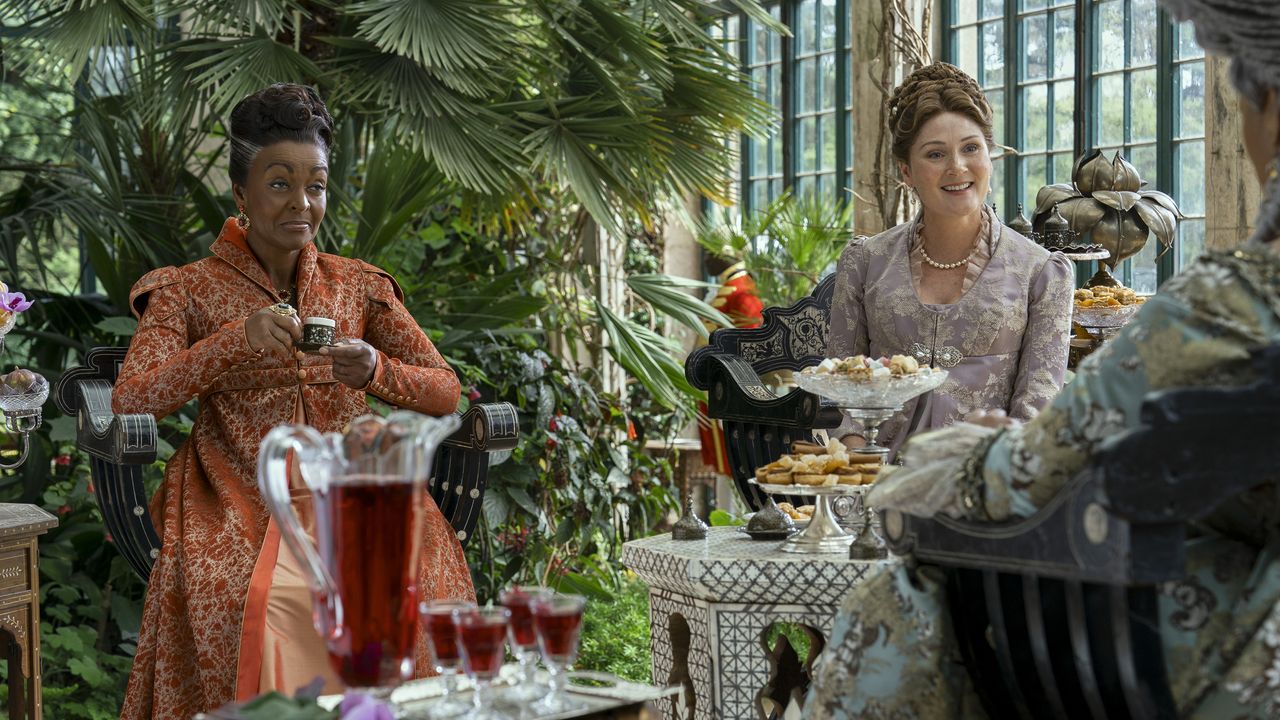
(204, 616)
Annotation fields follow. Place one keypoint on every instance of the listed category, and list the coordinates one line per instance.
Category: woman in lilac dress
(954, 288)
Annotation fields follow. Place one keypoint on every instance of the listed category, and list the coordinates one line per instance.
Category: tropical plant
(786, 247)
(1105, 198)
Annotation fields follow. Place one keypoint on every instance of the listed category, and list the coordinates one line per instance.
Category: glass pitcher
(369, 493)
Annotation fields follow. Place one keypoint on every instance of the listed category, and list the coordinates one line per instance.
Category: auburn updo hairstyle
(930, 91)
(283, 111)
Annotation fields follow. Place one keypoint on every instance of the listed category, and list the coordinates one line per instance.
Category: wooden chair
(121, 446)
(758, 424)
(1056, 614)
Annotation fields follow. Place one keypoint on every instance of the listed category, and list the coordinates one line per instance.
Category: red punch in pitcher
(368, 488)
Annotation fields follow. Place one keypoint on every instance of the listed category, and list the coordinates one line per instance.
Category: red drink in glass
(369, 532)
(483, 642)
(442, 634)
(558, 630)
(517, 599)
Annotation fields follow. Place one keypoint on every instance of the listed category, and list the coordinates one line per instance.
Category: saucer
(766, 534)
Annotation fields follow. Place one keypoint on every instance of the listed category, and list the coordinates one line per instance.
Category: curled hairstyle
(278, 112)
(931, 91)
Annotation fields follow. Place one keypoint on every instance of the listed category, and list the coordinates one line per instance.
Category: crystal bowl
(887, 393)
(26, 402)
(1104, 317)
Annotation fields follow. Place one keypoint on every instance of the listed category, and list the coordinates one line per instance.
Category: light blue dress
(893, 652)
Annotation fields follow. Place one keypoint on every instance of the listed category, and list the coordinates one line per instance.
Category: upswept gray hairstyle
(1248, 32)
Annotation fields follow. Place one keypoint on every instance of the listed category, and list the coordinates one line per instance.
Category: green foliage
(786, 247)
(615, 634)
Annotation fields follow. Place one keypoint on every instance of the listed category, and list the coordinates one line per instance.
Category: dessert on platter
(817, 466)
(861, 368)
(804, 513)
(1103, 307)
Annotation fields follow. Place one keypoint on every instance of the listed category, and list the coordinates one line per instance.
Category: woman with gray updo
(893, 652)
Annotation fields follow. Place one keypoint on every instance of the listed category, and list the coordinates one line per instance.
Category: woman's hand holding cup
(272, 330)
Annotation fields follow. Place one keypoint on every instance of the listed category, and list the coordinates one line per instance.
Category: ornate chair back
(760, 425)
(1057, 614)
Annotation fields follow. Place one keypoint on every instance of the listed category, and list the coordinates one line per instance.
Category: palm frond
(452, 35)
(229, 69)
(81, 29)
(649, 358)
(669, 295)
(223, 17)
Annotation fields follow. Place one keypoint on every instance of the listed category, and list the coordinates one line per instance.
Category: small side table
(20, 526)
(712, 601)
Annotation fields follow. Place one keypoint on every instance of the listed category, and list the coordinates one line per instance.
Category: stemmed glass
(523, 640)
(557, 621)
(442, 641)
(482, 634)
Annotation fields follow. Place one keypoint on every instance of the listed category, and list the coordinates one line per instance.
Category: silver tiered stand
(822, 535)
(871, 403)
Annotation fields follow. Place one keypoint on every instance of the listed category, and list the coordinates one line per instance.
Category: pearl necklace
(977, 240)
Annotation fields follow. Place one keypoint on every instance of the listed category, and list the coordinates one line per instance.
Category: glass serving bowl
(28, 401)
(1104, 317)
(878, 393)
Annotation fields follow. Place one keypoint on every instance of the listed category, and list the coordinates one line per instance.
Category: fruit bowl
(1104, 317)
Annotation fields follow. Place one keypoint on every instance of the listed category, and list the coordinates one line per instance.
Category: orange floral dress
(205, 616)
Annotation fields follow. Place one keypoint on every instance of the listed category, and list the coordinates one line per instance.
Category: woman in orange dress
(227, 615)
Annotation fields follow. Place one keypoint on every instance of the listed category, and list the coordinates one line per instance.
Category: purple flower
(358, 706)
(14, 302)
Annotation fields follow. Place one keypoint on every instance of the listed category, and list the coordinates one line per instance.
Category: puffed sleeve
(410, 372)
(848, 331)
(164, 369)
(1198, 331)
(1042, 360)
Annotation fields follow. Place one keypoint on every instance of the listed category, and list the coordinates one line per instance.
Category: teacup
(317, 332)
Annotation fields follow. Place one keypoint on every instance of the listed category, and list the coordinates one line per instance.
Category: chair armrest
(738, 394)
(1074, 537)
(462, 463)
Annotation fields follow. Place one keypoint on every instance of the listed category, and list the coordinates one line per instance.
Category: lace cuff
(941, 472)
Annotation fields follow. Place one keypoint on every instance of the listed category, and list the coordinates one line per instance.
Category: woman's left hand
(992, 418)
(353, 362)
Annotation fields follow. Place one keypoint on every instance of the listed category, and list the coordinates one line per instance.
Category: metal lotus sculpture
(1106, 198)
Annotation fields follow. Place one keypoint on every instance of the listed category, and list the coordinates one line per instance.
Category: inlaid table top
(24, 519)
(729, 566)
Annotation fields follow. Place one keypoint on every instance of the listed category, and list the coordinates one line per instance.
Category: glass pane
(992, 54)
(775, 86)
(1035, 107)
(1142, 40)
(1189, 118)
(992, 8)
(1036, 49)
(775, 189)
(805, 72)
(759, 195)
(775, 39)
(1064, 43)
(1034, 177)
(1064, 108)
(827, 90)
(1062, 164)
(1186, 42)
(1144, 267)
(1111, 44)
(827, 25)
(759, 82)
(806, 42)
(997, 182)
(965, 11)
(1189, 161)
(1111, 110)
(1143, 157)
(827, 138)
(759, 159)
(805, 186)
(1033, 4)
(1142, 105)
(965, 50)
(1190, 241)
(806, 144)
(759, 51)
(996, 99)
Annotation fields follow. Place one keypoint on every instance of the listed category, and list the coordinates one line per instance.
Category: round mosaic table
(712, 603)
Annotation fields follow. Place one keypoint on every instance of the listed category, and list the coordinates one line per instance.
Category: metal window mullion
(789, 86)
(1126, 269)
(948, 31)
(1085, 131)
(844, 143)
(1012, 120)
(746, 145)
(1166, 265)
